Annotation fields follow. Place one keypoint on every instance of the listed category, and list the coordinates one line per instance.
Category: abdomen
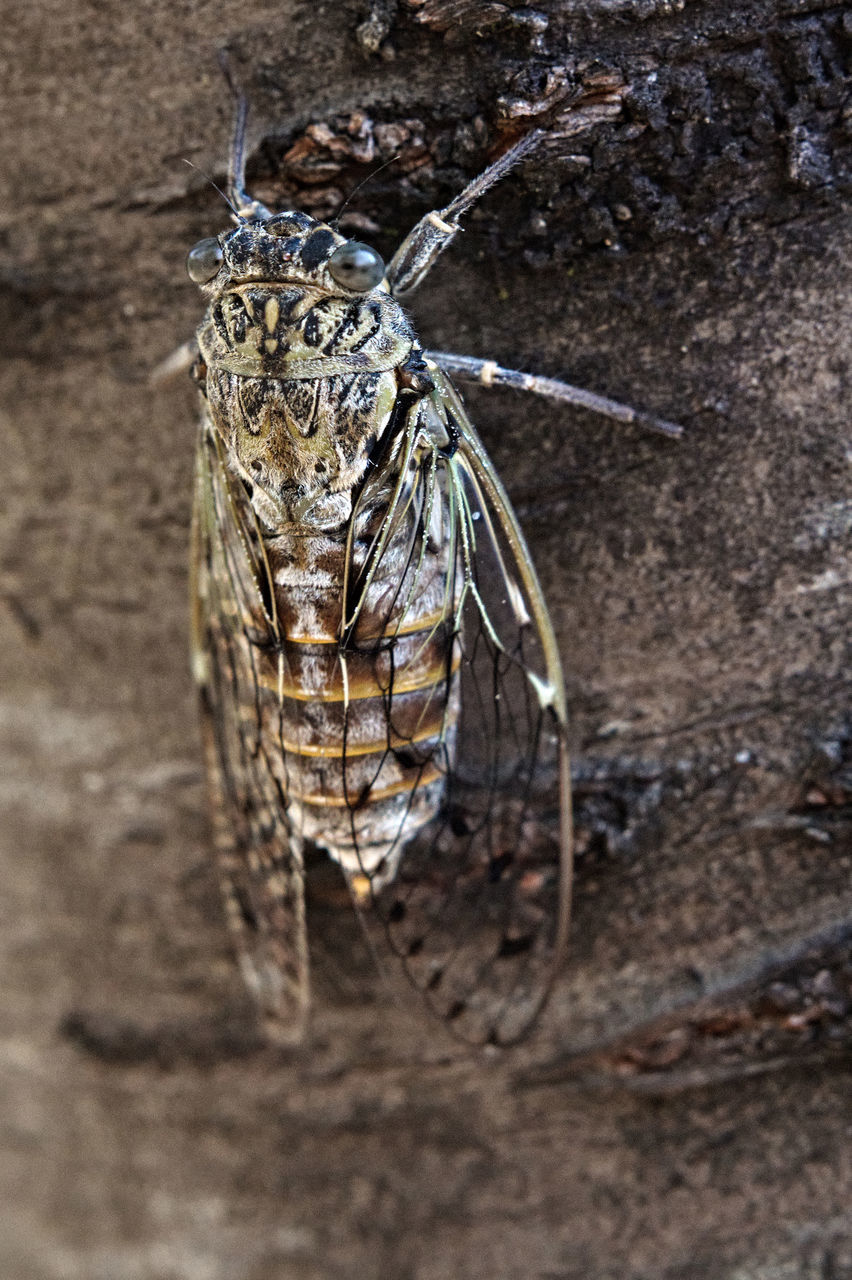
(365, 729)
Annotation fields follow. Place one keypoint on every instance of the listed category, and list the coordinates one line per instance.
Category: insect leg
(421, 247)
(178, 361)
(490, 374)
(241, 202)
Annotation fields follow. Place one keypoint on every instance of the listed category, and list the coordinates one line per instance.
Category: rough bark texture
(683, 1110)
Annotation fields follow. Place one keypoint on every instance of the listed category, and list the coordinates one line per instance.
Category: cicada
(379, 676)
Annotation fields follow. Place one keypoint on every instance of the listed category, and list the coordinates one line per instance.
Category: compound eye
(356, 266)
(203, 260)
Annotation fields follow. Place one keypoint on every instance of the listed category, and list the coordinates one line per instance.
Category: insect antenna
(335, 221)
(215, 187)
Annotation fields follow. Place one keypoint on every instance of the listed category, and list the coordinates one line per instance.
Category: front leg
(490, 374)
(422, 246)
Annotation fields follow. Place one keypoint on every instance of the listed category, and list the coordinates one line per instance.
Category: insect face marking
(301, 368)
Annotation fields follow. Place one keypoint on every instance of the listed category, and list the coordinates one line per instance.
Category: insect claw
(671, 429)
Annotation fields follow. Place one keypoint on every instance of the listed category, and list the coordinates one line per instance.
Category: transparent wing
(476, 901)
(234, 630)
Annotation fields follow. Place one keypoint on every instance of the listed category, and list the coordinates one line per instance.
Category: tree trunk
(680, 241)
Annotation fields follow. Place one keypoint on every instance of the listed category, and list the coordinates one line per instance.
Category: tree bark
(680, 241)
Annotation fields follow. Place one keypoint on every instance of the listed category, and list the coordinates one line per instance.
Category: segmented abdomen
(366, 729)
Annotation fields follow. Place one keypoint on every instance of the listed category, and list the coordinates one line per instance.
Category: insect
(379, 676)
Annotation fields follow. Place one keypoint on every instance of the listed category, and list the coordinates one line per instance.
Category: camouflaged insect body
(301, 383)
(378, 674)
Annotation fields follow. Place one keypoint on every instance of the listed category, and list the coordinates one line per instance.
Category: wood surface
(683, 1111)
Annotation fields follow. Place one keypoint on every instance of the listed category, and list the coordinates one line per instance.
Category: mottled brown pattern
(376, 663)
(299, 379)
(298, 447)
(296, 440)
(370, 758)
